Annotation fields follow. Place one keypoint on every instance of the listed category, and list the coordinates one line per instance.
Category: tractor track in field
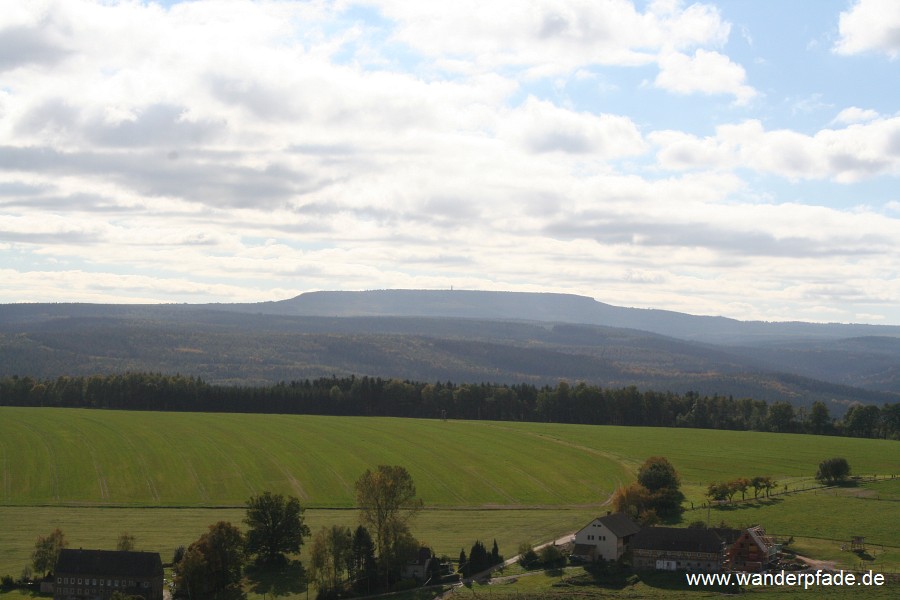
(196, 478)
(7, 478)
(51, 459)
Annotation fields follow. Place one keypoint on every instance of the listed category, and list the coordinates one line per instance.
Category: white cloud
(552, 36)
(870, 25)
(845, 155)
(706, 72)
(854, 114)
(540, 127)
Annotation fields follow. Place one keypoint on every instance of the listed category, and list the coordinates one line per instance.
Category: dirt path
(825, 565)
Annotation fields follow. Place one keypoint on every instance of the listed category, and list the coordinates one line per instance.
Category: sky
(722, 158)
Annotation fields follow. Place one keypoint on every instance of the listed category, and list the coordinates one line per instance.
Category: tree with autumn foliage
(656, 493)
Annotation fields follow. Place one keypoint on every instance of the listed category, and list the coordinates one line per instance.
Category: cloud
(540, 127)
(250, 150)
(870, 26)
(853, 114)
(552, 36)
(705, 72)
(846, 155)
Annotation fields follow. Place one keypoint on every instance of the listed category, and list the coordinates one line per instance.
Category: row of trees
(727, 490)
(373, 396)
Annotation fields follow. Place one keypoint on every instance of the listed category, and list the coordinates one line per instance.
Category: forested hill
(459, 336)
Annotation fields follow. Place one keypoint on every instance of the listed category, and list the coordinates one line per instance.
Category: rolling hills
(458, 336)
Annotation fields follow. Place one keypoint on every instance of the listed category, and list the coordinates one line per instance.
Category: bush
(528, 558)
(551, 556)
(7, 582)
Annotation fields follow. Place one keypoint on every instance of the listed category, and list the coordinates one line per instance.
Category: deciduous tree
(211, 566)
(833, 470)
(657, 473)
(125, 542)
(46, 551)
(275, 527)
(331, 556)
(387, 501)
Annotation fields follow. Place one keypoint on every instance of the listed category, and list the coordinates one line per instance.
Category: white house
(604, 538)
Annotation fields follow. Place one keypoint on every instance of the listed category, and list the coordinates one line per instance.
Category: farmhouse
(752, 551)
(417, 566)
(676, 549)
(96, 574)
(605, 538)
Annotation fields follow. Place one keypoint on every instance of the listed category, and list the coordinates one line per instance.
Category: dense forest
(373, 396)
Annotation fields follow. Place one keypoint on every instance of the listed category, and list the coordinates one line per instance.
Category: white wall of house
(608, 546)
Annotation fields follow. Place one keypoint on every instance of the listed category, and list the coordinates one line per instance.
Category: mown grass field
(164, 477)
(85, 457)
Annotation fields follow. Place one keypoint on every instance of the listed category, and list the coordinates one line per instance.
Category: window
(94, 582)
(79, 581)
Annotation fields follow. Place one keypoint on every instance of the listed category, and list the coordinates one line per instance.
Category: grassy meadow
(164, 477)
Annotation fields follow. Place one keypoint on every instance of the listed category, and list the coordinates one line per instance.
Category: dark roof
(620, 524)
(109, 563)
(728, 535)
(675, 539)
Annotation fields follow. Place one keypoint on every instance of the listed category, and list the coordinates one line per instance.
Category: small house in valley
(677, 549)
(604, 538)
(96, 574)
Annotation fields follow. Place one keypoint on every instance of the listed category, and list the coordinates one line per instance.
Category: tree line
(375, 396)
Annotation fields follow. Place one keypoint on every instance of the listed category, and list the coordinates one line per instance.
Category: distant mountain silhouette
(558, 308)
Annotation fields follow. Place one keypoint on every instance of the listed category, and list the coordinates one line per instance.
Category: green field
(164, 476)
(96, 458)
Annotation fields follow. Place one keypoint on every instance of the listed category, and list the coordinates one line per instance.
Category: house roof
(758, 534)
(728, 535)
(674, 539)
(620, 524)
(114, 563)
